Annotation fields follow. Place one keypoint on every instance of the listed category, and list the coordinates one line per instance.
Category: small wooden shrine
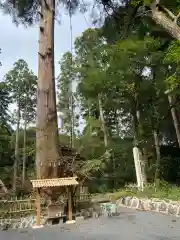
(54, 210)
(68, 184)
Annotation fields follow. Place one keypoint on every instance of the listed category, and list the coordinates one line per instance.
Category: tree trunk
(174, 117)
(24, 151)
(158, 158)
(16, 160)
(117, 124)
(89, 115)
(137, 152)
(103, 122)
(145, 161)
(141, 156)
(47, 148)
(114, 172)
(169, 23)
(72, 119)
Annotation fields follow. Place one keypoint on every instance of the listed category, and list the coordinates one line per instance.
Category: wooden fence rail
(16, 206)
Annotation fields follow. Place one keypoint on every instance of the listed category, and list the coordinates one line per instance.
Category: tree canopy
(117, 90)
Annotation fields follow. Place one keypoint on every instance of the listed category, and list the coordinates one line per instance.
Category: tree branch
(161, 18)
(154, 4)
(46, 4)
(176, 19)
(40, 13)
(169, 13)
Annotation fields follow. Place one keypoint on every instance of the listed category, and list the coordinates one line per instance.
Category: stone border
(143, 204)
(23, 222)
(153, 205)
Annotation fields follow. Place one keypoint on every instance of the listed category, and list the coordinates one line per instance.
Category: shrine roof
(54, 182)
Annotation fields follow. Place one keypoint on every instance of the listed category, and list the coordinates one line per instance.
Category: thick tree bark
(16, 160)
(47, 148)
(174, 117)
(166, 19)
(24, 152)
(158, 157)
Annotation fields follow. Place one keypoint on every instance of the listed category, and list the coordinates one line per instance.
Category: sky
(22, 43)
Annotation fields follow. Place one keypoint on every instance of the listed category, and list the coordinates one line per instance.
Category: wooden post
(38, 207)
(69, 204)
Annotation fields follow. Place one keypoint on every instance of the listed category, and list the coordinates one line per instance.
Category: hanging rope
(84, 16)
(71, 79)
(71, 72)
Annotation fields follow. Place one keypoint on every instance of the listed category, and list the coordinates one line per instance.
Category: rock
(79, 218)
(135, 203)
(163, 207)
(155, 204)
(128, 201)
(172, 209)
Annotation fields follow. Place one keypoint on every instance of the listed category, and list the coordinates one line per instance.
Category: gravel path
(130, 225)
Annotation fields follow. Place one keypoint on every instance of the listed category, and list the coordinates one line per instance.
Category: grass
(165, 192)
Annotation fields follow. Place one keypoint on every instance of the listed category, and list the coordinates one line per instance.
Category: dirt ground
(129, 225)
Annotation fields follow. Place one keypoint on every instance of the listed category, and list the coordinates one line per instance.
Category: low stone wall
(155, 205)
(23, 222)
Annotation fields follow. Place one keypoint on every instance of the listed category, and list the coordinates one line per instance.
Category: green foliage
(137, 2)
(173, 53)
(5, 100)
(166, 192)
(91, 62)
(130, 75)
(27, 11)
(19, 87)
(128, 64)
(66, 101)
(172, 58)
(21, 83)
